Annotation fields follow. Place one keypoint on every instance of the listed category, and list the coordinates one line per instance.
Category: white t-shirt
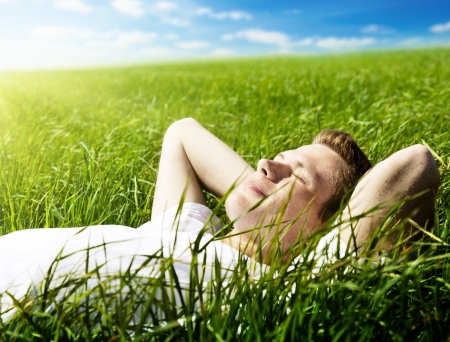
(28, 256)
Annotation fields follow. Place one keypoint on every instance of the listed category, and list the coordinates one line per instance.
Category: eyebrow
(281, 155)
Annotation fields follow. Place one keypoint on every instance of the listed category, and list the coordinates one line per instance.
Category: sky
(48, 34)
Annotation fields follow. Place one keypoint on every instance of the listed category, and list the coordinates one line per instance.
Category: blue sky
(77, 33)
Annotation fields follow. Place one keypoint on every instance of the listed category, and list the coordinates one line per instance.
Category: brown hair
(345, 179)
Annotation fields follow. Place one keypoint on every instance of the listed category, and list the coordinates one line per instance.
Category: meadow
(81, 147)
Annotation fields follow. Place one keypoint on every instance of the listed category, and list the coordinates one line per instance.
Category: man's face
(300, 180)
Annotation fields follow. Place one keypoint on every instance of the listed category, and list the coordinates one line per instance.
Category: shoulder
(190, 217)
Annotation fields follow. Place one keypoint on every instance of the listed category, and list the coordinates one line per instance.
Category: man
(299, 188)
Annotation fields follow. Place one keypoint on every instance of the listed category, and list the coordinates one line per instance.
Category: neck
(246, 245)
(250, 244)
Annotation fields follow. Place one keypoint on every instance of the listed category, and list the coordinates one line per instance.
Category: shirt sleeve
(192, 218)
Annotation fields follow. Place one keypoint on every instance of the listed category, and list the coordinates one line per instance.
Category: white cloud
(6, 1)
(171, 36)
(164, 10)
(229, 36)
(332, 43)
(165, 5)
(411, 41)
(194, 44)
(303, 42)
(115, 39)
(175, 21)
(158, 51)
(129, 7)
(260, 36)
(222, 52)
(439, 28)
(53, 32)
(268, 37)
(234, 15)
(377, 29)
(203, 10)
(284, 52)
(123, 39)
(293, 12)
(73, 5)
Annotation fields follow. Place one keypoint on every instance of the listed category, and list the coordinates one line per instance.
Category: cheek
(236, 204)
(300, 202)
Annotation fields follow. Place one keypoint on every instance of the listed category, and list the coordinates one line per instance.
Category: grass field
(82, 148)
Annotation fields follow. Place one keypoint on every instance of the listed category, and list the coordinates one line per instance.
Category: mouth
(255, 187)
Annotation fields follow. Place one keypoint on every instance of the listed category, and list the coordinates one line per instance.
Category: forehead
(317, 153)
(320, 160)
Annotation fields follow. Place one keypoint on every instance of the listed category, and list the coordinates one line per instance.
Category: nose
(273, 170)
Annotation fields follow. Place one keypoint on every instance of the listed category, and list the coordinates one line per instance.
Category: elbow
(180, 126)
(186, 122)
(423, 164)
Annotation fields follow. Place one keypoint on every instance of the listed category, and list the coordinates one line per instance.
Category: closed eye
(299, 178)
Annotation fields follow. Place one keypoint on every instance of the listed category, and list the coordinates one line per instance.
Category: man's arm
(193, 159)
(407, 173)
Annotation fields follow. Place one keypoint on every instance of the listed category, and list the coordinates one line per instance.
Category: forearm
(401, 177)
(216, 165)
(193, 159)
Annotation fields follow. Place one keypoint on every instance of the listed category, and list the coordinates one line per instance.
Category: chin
(232, 209)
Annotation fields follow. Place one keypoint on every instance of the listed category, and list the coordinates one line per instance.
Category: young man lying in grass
(281, 202)
(306, 185)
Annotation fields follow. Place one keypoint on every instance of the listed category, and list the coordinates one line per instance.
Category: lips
(255, 187)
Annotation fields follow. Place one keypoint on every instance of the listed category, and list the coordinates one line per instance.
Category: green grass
(82, 147)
